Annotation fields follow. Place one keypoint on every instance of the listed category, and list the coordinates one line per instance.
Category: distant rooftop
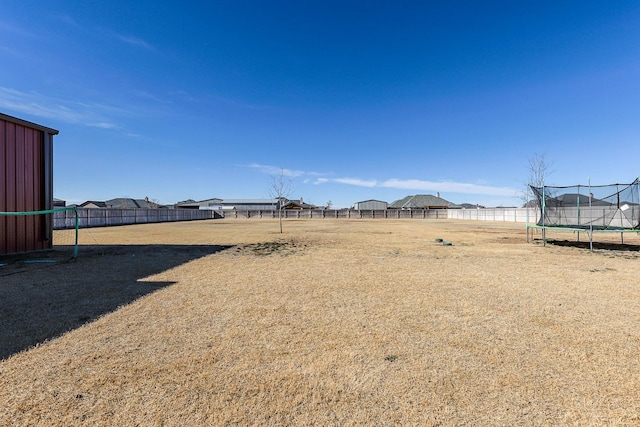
(422, 201)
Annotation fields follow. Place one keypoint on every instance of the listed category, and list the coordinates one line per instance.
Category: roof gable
(421, 201)
(372, 200)
(96, 203)
(127, 203)
(298, 204)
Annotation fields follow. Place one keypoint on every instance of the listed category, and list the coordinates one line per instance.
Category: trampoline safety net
(602, 207)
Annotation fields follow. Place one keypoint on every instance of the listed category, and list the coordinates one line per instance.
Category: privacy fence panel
(105, 217)
(522, 215)
(101, 217)
(496, 214)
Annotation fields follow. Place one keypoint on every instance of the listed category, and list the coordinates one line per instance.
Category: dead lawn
(334, 322)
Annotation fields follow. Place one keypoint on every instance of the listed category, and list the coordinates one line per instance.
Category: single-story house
(122, 203)
(203, 204)
(297, 205)
(249, 204)
(244, 204)
(92, 204)
(471, 206)
(423, 201)
(126, 203)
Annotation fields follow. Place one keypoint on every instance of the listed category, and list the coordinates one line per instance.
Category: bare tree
(329, 204)
(539, 170)
(280, 190)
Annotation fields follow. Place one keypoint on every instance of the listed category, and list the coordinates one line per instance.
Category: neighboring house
(574, 199)
(249, 204)
(126, 203)
(122, 203)
(243, 204)
(203, 204)
(92, 204)
(423, 201)
(57, 203)
(374, 205)
(297, 205)
(26, 185)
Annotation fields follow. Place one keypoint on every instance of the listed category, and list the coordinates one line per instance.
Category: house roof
(93, 202)
(249, 201)
(420, 201)
(372, 200)
(299, 203)
(575, 199)
(125, 203)
(191, 202)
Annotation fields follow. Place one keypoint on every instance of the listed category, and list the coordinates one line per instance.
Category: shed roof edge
(27, 123)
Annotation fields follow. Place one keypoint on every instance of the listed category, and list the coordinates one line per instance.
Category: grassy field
(333, 322)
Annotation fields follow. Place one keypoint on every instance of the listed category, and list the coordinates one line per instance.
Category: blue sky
(352, 100)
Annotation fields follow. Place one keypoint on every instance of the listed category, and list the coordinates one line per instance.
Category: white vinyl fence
(522, 215)
(105, 217)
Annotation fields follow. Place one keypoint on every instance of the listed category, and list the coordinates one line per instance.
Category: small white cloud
(406, 184)
(135, 41)
(274, 170)
(357, 182)
(102, 125)
(38, 105)
(128, 39)
(347, 181)
(447, 186)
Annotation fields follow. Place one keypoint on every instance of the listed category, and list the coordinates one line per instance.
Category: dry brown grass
(334, 322)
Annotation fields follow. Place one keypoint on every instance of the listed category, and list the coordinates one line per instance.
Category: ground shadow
(596, 245)
(43, 295)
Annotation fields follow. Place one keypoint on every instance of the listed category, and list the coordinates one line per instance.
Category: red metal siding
(23, 176)
(3, 192)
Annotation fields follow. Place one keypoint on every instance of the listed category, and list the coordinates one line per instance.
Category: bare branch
(280, 190)
(539, 170)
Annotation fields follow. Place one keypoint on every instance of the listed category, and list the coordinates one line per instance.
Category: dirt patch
(277, 247)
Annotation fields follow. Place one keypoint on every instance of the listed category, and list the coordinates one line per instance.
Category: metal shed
(26, 185)
(371, 205)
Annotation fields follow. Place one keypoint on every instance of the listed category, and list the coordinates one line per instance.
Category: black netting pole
(590, 218)
(544, 208)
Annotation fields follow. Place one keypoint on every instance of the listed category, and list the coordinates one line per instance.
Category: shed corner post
(47, 144)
